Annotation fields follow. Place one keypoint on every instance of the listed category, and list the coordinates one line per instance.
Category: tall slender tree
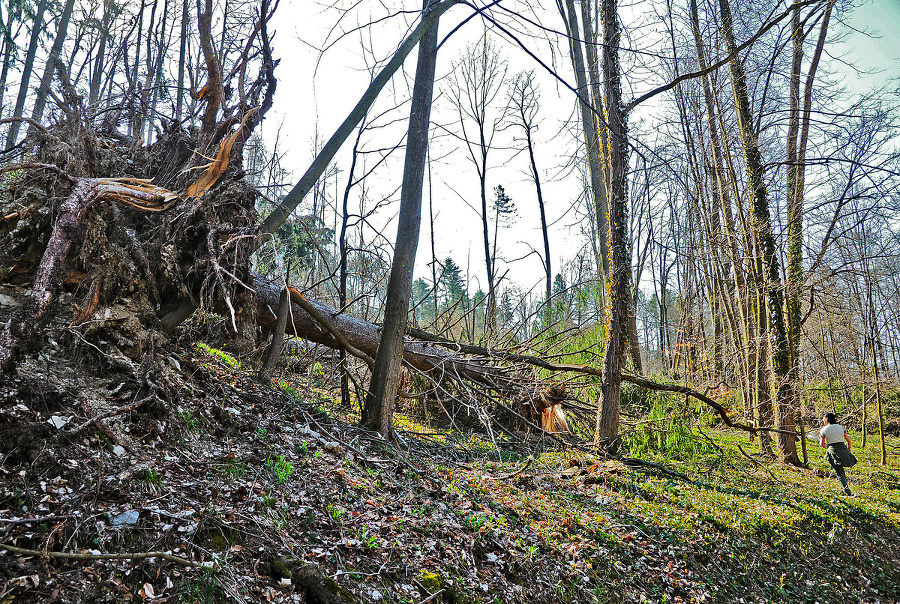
(523, 99)
(36, 28)
(477, 83)
(771, 307)
(619, 277)
(378, 411)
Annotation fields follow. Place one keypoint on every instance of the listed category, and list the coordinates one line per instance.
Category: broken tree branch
(138, 556)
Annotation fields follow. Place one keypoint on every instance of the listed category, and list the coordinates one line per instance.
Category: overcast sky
(316, 90)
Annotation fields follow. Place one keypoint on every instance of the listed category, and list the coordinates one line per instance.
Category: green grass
(280, 467)
(220, 355)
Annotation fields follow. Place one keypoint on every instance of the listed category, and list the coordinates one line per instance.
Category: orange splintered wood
(93, 302)
(215, 169)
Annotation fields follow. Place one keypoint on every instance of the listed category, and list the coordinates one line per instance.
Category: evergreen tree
(451, 283)
(505, 211)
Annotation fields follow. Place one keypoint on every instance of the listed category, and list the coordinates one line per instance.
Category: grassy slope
(238, 478)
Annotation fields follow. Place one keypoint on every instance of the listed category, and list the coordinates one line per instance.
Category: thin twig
(108, 414)
(38, 519)
(136, 556)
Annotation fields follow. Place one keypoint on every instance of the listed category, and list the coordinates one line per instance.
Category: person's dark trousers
(838, 469)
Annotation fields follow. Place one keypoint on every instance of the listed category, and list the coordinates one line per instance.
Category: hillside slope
(272, 495)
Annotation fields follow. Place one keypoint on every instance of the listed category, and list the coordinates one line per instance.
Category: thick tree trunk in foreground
(619, 279)
(378, 412)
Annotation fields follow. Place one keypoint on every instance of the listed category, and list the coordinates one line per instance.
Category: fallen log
(445, 357)
(330, 327)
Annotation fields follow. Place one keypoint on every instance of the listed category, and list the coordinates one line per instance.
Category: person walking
(837, 452)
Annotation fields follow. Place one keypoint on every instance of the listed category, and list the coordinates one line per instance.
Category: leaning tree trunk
(787, 445)
(378, 412)
(41, 96)
(36, 28)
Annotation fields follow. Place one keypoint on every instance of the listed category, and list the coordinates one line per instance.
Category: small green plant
(261, 434)
(190, 422)
(317, 371)
(303, 449)
(205, 589)
(665, 430)
(279, 466)
(335, 513)
(368, 540)
(149, 475)
(233, 468)
(290, 391)
(318, 453)
(222, 356)
(279, 519)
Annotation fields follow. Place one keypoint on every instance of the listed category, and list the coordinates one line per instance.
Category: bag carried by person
(841, 455)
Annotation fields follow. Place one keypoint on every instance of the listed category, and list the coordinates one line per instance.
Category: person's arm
(822, 441)
(847, 438)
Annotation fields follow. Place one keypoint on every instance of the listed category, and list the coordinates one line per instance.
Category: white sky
(313, 98)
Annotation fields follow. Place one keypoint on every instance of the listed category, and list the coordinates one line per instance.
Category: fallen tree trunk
(361, 338)
(478, 365)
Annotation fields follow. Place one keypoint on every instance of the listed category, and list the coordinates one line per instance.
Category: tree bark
(46, 80)
(787, 445)
(619, 278)
(36, 29)
(378, 412)
(26, 321)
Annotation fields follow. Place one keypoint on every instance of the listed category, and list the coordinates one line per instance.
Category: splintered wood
(138, 193)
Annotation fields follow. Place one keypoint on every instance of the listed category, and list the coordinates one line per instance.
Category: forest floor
(272, 494)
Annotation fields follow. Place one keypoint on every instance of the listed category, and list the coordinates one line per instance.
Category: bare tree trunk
(378, 411)
(548, 271)
(762, 226)
(524, 98)
(214, 91)
(27, 68)
(46, 80)
(873, 338)
(135, 123)
(97, 74)
(185, 24)
(607, 427)
(157, 70)
(12, 9)
(589, 127)
(274, 352)
(342, 279)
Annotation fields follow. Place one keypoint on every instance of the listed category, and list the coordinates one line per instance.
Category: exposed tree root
(24, 324)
